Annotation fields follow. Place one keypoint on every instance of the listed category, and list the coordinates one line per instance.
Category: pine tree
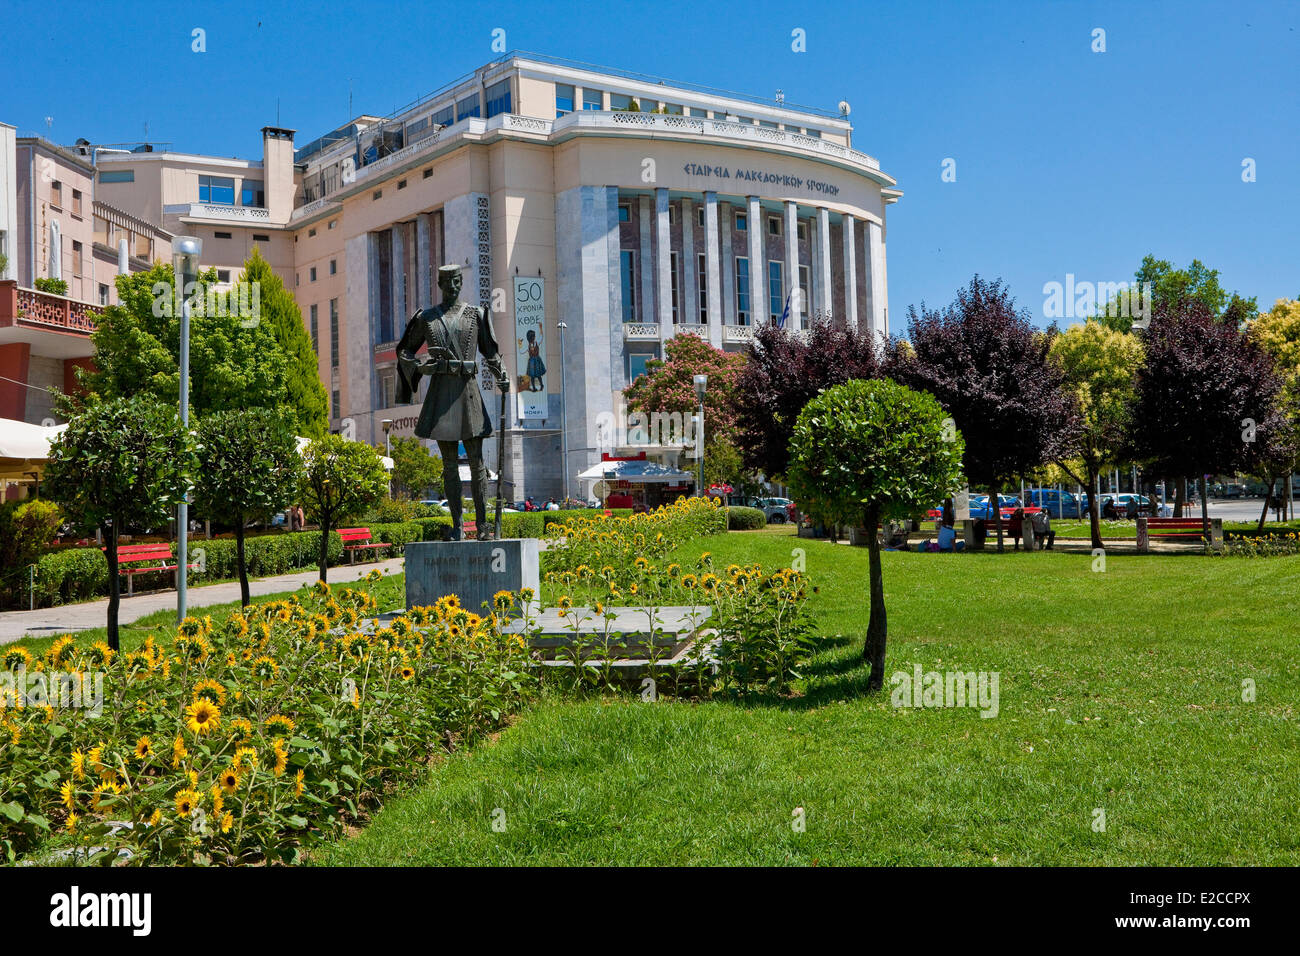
(308, 404)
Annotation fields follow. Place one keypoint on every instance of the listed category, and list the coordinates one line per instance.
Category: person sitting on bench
(1017, 519)
(1041, 522)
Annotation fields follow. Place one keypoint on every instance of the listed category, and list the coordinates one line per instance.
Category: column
(423, 259)
(824, 260)
(663, 264)
(714, 268)
(847, 226)
(647, 263)
(757, 262)
(792, 263)
(690, 283)
(726, 220)
(577, 98)
(876, 260)
(398, 279)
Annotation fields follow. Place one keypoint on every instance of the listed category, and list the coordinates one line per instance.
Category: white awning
(637, 471)
(24, 448)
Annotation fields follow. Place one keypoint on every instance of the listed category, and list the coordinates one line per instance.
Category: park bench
(358, 539)
(1181, 529)
(158, 557)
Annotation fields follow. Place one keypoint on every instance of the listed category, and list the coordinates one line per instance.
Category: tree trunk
(877, 629)
(324, 544)
(1094, 509)
(114, 586)
(239, 560)
(995, 509)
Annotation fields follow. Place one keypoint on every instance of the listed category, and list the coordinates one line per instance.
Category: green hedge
(70, 574)
(740, 518)
(514, 525)
(549, 517)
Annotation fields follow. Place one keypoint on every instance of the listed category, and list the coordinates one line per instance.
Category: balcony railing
(737, 334)
(640, 332)
(224, 213)
(36, 309)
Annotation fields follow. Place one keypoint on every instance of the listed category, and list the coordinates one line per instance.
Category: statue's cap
(448, 271)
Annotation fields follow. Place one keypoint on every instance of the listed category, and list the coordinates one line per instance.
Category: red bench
(159, 556)
(358, 539)
(1185, 529)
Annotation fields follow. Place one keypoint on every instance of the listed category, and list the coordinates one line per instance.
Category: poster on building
(530, 346)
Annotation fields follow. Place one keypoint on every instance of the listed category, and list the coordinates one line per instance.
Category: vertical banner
(530, 346)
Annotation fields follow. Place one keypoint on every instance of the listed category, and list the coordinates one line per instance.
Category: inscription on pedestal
(472, 570)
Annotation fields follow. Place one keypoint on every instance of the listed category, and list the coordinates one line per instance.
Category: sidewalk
(69, 618)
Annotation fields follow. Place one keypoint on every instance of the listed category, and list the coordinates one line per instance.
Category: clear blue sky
(1067, 161)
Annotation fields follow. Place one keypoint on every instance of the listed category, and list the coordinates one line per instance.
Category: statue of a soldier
(454, 411)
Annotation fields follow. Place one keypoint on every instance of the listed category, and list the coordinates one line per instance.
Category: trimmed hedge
(514, 525)
(740, 518)
(71, 574)
(567, 515)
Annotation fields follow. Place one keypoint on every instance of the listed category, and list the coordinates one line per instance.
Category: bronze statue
(453, 410)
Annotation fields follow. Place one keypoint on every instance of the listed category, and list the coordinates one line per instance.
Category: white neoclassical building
(626, 208)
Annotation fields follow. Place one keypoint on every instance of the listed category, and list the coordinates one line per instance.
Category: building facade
(597, 214)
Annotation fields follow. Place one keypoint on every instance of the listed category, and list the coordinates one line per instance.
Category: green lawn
(1120, 691)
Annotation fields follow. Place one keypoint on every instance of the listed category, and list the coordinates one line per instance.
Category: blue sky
(1067, 160)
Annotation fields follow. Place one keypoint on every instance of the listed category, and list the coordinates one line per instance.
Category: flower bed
(1263, 545)
(597, 540)
(248, 740)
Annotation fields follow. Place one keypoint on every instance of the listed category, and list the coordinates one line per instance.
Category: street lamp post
(185, 263)
(564, 415)
(701, 386)
(387, 424)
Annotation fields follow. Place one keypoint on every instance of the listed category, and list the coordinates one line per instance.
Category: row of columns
(656, 271)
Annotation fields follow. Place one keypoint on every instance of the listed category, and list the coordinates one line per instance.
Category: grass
(1121, 691)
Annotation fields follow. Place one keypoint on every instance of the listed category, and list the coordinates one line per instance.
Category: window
(648, 106)
(311, 233)
(117, 176)
(401, 184)
(805, 290)
(672, 267)
(334, 334)
(377, 194)
(251, 193)
(221, 235)
(742, 290)
(627, 265)
(498, 98)
(217, 189)
(388, 386)
(261, 237)
(384, 277)
(334, 404)
(775, 291)
(742, 222)
(699, 216)
(444, 117)
(696, 111)
(767, 124)
(624, 212)
(103, 294)
(672, 215)
(673, 109)
(333, 223)
(419, 126)
(427, 174)
(76, 258)
(702, 270)
(223, 275)
(617, 101)
(636, 363)
(311, 274)
(563, 98)
(801, 231)
(315, 330)
(815, 133)
(774, 225)
(56, 194)
(467, 107)
(334, 267)
(76, 202)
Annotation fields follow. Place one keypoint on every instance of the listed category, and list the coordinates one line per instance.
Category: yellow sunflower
(143, 748)
(204, 716)
(229, 779)
(211, 690)
(187, 801)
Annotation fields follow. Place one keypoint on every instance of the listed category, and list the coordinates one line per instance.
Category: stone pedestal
(472, 570)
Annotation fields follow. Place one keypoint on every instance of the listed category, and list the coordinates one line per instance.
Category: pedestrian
(1017, 524)
(1042, 525)
(552, 505)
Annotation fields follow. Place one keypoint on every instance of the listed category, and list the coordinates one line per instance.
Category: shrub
(391, 510)
(397, 533)
(599, 541)
(71, 574)
(246, 740)
(740, 518)
(26, 529)
(53, 286)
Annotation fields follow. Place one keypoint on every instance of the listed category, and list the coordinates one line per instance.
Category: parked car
(775, 509)
(1058, 504)
(980, 508)
(1130, 506)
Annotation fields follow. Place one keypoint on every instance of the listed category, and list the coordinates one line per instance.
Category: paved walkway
(68, 618)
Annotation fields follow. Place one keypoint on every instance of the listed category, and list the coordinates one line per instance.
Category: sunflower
(242, 726)
(17, 658)
(565, 602)
(71, 825)
(227, 822)
(204, 716)
(61, 650)
(211, 690)
(599, 608)
(98, 800)
(229, 779)
(709, 582)
(143, 748)
(298, 785)
(155, 818)
(100, 653)
(285, 724)
(407, 672)
(78, 765)
(265, 669)
(245, 758)
(187, 801)
(688, 581)
(66, 794)
(179, 752)
(281, 756)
